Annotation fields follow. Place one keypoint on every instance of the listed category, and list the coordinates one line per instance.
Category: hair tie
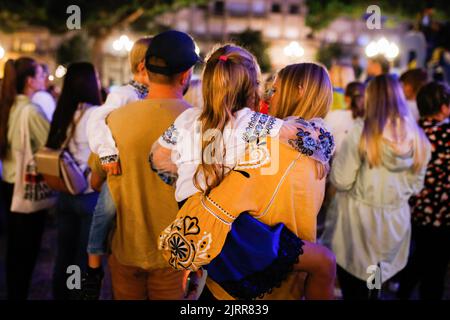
(223, 58)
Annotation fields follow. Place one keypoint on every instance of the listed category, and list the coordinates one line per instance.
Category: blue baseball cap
(176, 49)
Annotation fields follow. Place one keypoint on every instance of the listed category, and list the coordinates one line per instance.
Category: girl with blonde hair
(240, 201)
(381, 163)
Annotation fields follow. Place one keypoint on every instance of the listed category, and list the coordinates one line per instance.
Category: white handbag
(31, 192)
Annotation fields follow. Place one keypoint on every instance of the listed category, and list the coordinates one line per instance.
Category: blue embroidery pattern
(260, 125)
(167, 177)
(316, 142)
(304, 143)
(327, 143)
(171, 135)
(139, 88)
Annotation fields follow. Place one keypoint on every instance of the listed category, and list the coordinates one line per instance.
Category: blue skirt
(255, 258)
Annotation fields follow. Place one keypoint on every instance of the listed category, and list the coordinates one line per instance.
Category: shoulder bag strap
(73, 126)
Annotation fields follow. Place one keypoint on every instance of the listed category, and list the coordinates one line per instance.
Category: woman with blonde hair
(381, 163)
(266, 199)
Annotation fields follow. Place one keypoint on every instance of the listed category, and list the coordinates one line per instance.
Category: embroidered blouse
(277, 186)
(100, 138)
(177, 153)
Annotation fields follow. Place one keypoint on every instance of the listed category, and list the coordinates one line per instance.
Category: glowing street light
(60, 71)
(123, 43)
(383, 45)
(294, 50)
(392, 51)
(389, 49)
(372, 49)
(2, 52)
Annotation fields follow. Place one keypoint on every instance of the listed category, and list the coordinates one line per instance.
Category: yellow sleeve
(95, 165)
(199, 231)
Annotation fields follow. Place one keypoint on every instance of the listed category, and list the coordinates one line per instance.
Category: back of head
(137, 53)
(14, 82)
(432, 97)
(385, 104)
(305, 91)
(382, 62)
(169, 54)
(80, 86)
(415, 79)
(230, 83)
(355, 91)
(384, 101)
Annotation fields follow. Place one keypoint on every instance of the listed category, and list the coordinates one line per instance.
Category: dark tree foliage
(322, 12)
(253, 41)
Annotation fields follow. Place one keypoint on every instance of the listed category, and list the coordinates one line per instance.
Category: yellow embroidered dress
(275, 183)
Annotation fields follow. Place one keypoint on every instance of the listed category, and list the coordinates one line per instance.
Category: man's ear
(29, 82)
(185, 76)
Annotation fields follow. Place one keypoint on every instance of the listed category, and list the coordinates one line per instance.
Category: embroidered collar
(314, 139)
(141, 90)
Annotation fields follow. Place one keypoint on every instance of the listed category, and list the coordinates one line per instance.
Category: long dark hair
(355, 91)
(14, 81)
(80, 86)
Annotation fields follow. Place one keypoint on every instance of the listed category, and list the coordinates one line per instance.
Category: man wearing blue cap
(145, 204)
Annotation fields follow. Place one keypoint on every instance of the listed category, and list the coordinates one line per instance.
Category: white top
(369, 220)
(78, 144)
(412, 105)
(183, 138)
(340, 123)
(38, 127)
(47, 103)
(101, 140)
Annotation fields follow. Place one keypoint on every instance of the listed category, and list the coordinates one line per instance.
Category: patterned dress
(431, 207)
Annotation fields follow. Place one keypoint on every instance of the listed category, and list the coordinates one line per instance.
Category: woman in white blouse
(381, 163)
(79, 97)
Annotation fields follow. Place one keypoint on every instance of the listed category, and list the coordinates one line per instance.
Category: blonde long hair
(385, 103)
(313, 81)
(230, 83)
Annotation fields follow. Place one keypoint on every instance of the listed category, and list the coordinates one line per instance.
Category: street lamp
(60, 71)
(392, 51)
(294, 50)
(2, 52)
(389, 49)
(122, 46)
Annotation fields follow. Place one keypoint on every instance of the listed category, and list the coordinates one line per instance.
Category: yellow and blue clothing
(338, 99)
(279, 195)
